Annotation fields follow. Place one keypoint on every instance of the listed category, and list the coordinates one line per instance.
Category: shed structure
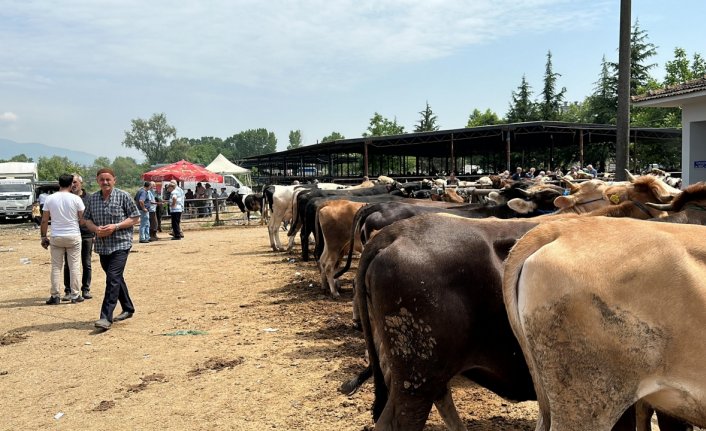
(470, 152)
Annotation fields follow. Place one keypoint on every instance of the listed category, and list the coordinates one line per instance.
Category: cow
(602, 327)
(253, 202)
(479, 267)
(688, 207)
(420, 335)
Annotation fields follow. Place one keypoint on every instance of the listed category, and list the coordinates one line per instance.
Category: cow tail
(361, 297)
(293, 228)
(354, 229)
(318, 235)
(520, 252)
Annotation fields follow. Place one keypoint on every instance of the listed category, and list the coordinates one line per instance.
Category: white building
(691, 98)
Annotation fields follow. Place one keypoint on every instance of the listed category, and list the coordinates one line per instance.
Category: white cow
(603, 326)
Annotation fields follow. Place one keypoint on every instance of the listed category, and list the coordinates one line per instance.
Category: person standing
(143, 205)
(111, 214)
(176, 207)
(153, 211)
(65, 210)
(86, 248)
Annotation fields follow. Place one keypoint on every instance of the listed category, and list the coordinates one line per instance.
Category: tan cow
(602, 327)
(334, 220)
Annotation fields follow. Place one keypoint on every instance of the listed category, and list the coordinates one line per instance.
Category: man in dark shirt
(111, 214)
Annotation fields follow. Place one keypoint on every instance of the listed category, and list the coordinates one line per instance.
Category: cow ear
(521, 206)
(563, 202)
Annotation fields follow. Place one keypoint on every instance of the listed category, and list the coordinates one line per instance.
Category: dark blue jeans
(86, 251)
(115, 288)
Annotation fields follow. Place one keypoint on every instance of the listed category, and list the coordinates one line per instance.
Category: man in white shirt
(65, 210)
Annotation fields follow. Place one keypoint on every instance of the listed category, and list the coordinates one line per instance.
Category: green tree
(49, 168)
(251, 142)
(486, 118)
(641, 50)
(22, 158)
(295, 139)
(151, 137)
(522, 107)
(680, 70)
(128, 172)
(603, 102)
(549, 107)
(334, 136)
(428, 121)
(381, 126)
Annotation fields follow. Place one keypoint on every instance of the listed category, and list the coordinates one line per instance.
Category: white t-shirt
(63, 208)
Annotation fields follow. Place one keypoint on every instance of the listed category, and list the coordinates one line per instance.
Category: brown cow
(601, 330)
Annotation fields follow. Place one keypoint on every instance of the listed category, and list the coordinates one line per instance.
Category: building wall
(693, 141)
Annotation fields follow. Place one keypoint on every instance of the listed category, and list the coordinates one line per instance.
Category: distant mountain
(10, 149)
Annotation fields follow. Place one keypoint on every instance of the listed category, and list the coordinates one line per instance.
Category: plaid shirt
(117, 208)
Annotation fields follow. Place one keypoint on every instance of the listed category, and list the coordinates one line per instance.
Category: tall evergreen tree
(522, 107)
(603, 102)
(550, 106)
(428, 121)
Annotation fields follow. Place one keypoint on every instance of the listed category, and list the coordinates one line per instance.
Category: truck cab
(16, 198)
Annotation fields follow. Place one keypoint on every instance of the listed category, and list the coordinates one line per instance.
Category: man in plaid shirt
(111, 213)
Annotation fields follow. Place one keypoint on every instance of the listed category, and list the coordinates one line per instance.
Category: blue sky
(74, 73)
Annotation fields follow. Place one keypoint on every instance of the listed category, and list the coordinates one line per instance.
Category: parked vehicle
(18, 181)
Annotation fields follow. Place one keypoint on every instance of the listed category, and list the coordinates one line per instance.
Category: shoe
(77, 299)
(66, 297)
(87, 294)
(142, 241)
(103, 324)
(176, 238)
(123, 316)
(154, 238)
(53, 300)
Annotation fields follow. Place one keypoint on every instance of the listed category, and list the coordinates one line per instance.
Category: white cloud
(261, 44)
(8, 117)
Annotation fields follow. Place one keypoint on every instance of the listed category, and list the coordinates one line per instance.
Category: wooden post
(365, 158)
(581, 148)
(507, 151)
(453, 158)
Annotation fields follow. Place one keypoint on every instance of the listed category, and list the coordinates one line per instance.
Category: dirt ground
(227, 335)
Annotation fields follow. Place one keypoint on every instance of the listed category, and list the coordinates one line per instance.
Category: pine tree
(428, 121)
(522, 108)
(549, 108)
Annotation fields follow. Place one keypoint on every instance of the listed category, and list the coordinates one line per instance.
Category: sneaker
(66, 297)
(142, 241)
(87, 294)
(53, 300)
(77, 299)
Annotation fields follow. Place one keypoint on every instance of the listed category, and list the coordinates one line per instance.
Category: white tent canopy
(221, 165)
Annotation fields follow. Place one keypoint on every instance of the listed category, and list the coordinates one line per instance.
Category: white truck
(230, 182)
(17, 189)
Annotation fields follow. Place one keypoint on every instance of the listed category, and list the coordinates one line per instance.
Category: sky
(74, 73)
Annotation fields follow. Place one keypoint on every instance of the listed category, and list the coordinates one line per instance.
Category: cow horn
(631, 177)
(573, 187)
(524, 192)
(661, 207)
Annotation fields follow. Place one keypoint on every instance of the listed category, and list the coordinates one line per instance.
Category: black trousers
(86, 251)
(115, 287)
(176, 225)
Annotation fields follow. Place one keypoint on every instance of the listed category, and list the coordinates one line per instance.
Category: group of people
(103, 220)
(202, 199)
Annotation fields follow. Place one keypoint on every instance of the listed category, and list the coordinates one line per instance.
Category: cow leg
(274, 233)
(290, 246)
(670, 423)
(403, 412)
(447, 411)
(327, 270)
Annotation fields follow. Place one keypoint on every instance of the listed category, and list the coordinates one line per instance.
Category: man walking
(111, 214)
(65, 210)
(176, 207)
(143, 205)
(86, 249)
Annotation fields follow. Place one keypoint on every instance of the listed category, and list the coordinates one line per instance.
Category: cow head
(583, 197)
(538, 198)
(694, 195)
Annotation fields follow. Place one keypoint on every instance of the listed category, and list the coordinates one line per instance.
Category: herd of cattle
(587, 297)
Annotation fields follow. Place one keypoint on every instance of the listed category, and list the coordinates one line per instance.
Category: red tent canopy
(182, 171)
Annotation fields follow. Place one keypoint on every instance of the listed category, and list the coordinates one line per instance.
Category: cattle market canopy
(467, 151)
(182, 171)
(222, 165)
